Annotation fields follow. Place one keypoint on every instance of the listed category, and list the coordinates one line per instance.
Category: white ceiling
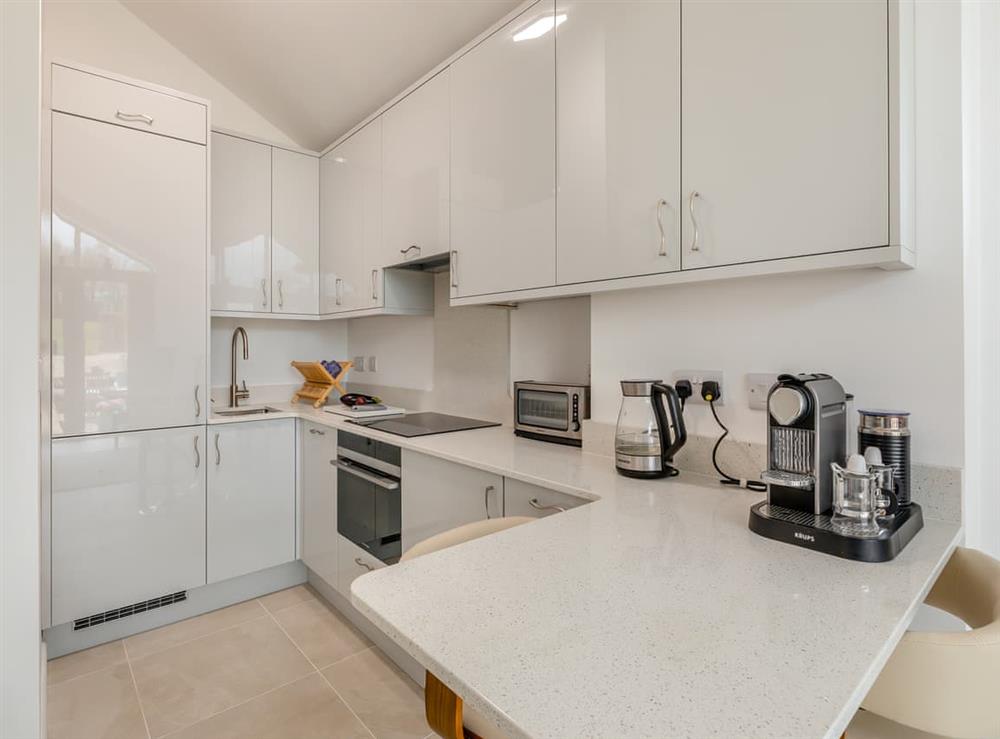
(314, 68)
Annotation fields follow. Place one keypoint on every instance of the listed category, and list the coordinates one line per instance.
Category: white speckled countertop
(651, 612)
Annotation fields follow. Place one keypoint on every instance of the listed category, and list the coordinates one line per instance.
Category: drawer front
(353, 562)
(103, 99)
(524, 499)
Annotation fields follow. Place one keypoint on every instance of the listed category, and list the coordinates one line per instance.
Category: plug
(710, 391)
(684, 389)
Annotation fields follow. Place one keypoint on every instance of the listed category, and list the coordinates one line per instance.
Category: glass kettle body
(650, 429)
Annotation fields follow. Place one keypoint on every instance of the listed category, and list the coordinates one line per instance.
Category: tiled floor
(285, 665)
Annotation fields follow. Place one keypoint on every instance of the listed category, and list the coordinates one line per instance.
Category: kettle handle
(673, 405)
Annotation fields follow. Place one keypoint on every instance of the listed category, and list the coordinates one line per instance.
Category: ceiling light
(540, 27)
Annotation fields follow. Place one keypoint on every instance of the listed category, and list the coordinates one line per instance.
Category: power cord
(710, 392)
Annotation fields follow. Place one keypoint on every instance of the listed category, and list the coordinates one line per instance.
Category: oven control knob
(788, 404)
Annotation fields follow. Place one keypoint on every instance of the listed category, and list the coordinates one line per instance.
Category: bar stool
(948, 683)
(445, 713)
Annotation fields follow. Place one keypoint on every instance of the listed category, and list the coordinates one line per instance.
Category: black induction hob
(423, 424)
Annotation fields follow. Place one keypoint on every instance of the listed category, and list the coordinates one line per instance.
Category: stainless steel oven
(551, 411)
(369, 491)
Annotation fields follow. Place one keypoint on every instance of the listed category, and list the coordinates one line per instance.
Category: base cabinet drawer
(353, 563)
(128, 519)
(525, 499)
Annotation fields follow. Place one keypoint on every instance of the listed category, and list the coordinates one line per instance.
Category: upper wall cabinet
(415, 174)
(265, 228)
(503, 159)
(619, 139)
(786, 129)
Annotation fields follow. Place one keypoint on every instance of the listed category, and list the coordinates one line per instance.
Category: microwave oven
(551, 411)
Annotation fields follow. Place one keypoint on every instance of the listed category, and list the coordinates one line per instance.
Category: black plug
(710, 391)
(684, 389)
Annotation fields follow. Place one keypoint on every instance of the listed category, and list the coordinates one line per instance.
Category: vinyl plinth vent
(117, 613)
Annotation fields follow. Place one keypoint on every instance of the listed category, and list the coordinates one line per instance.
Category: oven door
(368, 509)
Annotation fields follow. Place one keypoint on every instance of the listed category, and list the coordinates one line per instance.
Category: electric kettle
(650, 429)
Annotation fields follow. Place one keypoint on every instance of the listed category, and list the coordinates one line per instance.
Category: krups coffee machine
(807, 432)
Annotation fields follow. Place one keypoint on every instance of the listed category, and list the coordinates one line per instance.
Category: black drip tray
(816, 532)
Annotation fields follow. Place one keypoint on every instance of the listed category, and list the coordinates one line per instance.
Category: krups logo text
(804, 537)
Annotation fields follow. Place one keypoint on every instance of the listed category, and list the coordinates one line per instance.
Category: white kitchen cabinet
(503, 196)
(251, 497)
(354, 562)
(318, 478)
(619, 139)
(416, 174)
(241, 225)
(129, 303)
(785, 110)
(351, 223)
(294, 232)
(128, 519)
(524, 499)
(440, 495)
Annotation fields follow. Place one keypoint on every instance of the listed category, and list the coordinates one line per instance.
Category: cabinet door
(415, 171)
(251, 497)
(440, 495)
(619, 139)
(128, 519)
(503, 159)
(351, 221)
(129, 278)
(525, 499)
(785, 115)
(294, 232)
(318, 445)
(241, 224)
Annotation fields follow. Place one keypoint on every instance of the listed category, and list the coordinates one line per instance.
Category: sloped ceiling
(314, 68)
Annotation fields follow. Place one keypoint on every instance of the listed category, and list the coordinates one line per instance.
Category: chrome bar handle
(489, 489)
(281, 296)
(386, 483)
(197, 401)
(263, 291)
(454, 268)
(659, 224)
(361, 563)
(406, 252)
(317, 431)
(197, 452)
(218, 452)
(374, 279)
(539, 507)
(337, 294)
(142, 117)
(695, 246)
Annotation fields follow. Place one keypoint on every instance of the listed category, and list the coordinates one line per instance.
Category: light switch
(359, 363)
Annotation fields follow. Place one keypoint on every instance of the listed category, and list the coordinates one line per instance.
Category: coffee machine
(807, 429)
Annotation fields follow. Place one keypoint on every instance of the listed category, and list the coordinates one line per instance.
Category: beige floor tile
(321, 632)
(287, 598)
(187, 683)
(386, 700)
(868, 725)
(171, 635)
(88, 660)
(306, 709)
(101, 705)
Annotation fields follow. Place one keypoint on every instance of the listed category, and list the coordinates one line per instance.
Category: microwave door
(543, 409)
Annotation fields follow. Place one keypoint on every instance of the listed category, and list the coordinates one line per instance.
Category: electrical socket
(372, 364)
(758, 386)
(699, 376)
(359, 363)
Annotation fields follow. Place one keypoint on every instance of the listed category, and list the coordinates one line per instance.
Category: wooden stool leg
(443, 708)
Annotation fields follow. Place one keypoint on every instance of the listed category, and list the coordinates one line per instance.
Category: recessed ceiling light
(540, 27)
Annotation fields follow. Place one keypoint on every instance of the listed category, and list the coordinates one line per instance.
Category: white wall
(104, 34)
(981, 139)
(894, 339)
(21, 678)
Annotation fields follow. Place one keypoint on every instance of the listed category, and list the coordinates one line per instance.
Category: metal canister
(890, 432)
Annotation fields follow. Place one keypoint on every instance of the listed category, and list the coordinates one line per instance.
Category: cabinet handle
(405, 252)
(147, 119)
(317, 431)
(539, 507)
(281, 296)
(374, 290)
(218, 452)
(659, 224)
(197, 401)
(197, 452)
(361, 563)
(454, 268)
(695, 246)
(486, 498)
(263, 292)
(337, 291)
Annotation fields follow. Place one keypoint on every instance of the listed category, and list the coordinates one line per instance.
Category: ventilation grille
(117, 613)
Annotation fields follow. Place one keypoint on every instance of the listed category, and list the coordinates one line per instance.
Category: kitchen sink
(247, 411)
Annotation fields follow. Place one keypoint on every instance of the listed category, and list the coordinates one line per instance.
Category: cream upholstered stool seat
(445, 712)
(948, 683)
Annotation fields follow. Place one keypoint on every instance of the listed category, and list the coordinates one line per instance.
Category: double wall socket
(699, 376)
(359, 363)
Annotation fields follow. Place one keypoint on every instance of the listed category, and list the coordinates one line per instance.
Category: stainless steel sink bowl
(247, 411)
